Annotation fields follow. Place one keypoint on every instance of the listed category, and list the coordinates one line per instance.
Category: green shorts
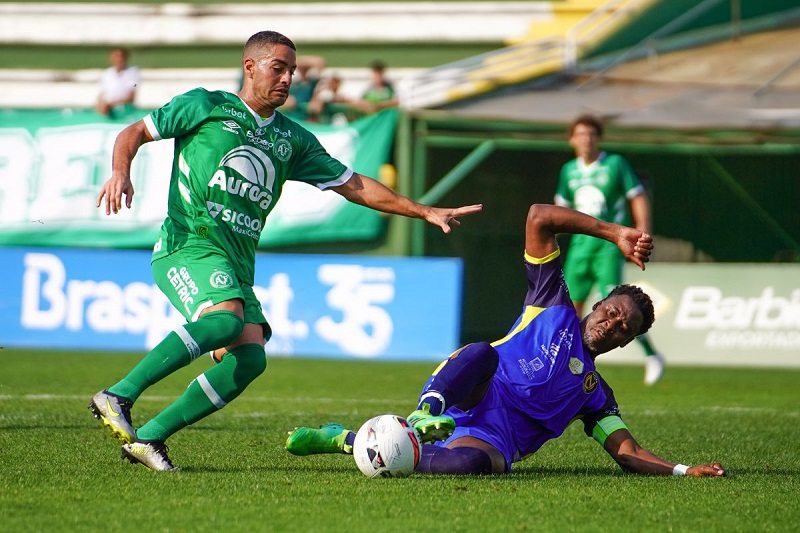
(582, 272)
(196, 278)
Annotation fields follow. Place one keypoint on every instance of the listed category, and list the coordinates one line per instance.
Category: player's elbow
(538, 214)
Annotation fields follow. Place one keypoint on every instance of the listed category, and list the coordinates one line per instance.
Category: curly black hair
(642, 301)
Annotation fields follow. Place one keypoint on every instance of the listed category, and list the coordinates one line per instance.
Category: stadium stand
(173, 24)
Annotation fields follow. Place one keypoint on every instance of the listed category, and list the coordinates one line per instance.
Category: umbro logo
(231, 126)
(214, 209)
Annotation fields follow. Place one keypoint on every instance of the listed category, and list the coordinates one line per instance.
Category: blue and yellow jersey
(545, 375)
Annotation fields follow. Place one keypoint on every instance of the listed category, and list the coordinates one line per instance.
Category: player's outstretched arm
(368, 192)
(125, 147)
(546, 221)
(633, 458)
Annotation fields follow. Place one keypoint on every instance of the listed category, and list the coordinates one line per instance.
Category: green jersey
(228, 171)
(601, 189)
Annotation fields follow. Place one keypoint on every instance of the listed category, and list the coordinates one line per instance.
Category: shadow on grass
(539, 472)
(302, 469)
(562, 471)
(523, 475)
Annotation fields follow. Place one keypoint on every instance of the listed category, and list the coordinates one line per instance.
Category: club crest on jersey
(282, 149)
(220, 279)
(590, 382)
(575, 366)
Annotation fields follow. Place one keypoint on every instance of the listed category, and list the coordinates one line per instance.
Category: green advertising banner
(53, 163)
(721, 314)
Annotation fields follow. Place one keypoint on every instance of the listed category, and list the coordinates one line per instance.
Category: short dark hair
(125, 51)
(642, 301)
(267, 38)
(587, 120)
(378, 65)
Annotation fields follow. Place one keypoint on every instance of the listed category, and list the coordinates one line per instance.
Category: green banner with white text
(53, 163)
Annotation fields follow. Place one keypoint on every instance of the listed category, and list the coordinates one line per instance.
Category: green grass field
(60, 471)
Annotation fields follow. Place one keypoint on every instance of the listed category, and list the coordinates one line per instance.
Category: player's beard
(588, 341)
(592, 343)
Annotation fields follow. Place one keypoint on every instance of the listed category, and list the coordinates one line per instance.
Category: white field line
(156, 398)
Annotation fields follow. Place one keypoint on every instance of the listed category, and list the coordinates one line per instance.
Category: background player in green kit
(604, 186)
(233, 152)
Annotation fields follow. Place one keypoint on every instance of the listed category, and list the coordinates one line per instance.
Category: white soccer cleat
(152, 454)
(115, 413)
(653, 368)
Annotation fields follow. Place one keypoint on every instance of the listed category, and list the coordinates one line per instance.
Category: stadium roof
(752, 82)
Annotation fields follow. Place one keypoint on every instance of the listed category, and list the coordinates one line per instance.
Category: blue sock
(463, 378)
(462, 460)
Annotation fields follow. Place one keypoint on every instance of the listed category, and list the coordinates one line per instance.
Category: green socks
(178, 349)
(209, 392)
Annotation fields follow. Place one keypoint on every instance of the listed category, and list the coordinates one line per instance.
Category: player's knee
(474, 460)
(224, 326)
(483, 354)
(251, 361)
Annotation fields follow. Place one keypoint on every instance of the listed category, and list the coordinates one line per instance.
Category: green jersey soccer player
(233, 153)
(603, 186)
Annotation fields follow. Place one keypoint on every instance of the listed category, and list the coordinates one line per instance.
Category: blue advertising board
(317, 305)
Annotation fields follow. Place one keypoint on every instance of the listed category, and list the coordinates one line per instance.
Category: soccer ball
(386, 446)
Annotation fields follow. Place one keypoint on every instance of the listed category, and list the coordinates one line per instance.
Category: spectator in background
(304, 83)
(328, 103)
(118, 83)
(604, 186)
(380, 92)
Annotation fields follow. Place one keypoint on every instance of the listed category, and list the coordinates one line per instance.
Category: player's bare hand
(635, 245)
(708, 470)
(113, 191)
(446, 217)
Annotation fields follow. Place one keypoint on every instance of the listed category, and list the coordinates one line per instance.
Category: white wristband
(679, 470)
